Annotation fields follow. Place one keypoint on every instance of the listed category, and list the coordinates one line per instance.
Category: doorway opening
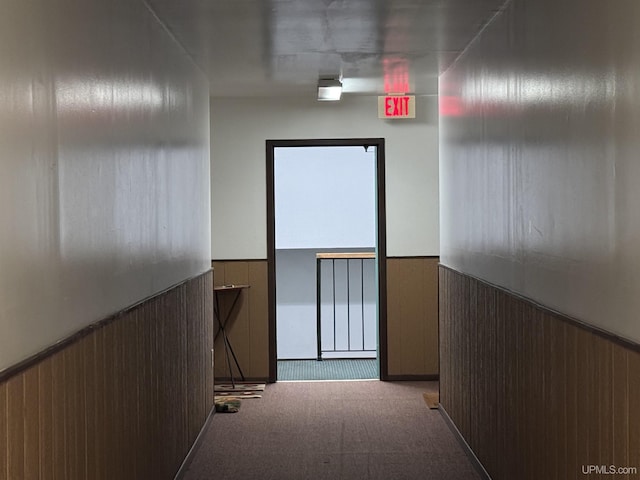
(326, 259)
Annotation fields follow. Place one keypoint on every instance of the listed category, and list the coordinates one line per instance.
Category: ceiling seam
(173, 37)
(477, 36)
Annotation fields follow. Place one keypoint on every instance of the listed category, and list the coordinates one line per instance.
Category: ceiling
(282, 47)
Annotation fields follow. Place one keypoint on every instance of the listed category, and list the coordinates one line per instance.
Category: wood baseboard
(195, 447)
(463, 443)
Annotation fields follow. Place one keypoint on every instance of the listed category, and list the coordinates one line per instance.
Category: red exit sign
(397, 106)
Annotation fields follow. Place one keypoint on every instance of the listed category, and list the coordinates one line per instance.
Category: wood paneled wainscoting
(536, 395)
(412, 318)
(248, 326)
(123, 399)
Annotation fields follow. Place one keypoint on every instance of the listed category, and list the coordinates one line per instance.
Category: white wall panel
(240, 126)
(104, 166)
(539, 158)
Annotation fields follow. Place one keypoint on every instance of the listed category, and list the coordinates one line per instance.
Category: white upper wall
(104, 167)
(240, 127)
(540, 173)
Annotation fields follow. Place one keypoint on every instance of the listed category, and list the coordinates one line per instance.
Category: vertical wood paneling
(196, 357)
(444, 334)
(129, 388)
(167, 380)
(208, 316)
(113, 408)
(420, 323)
(412, 319)
(412, 316)
(45, 404)
(465, 329)
(634, 410)
(259, 314)
(536, 411)
(175, 347)
(488, 369)
(100, 422)
(4, 433)
(59, 399)
(587, 401)
(155, 408)
(236, 324)
(620, 406)
(141, 382)
(125, 401)
(535, 396)
(515, 388)
(249, 323)
(205, 293)
(88, 356)
(470, 367)
(479, 372)
(395, 283)
(218, 272)
(412, 305)
(239, 325)
(604, 389)
(571, 402)
(500, 399)
(552, 393)
(146, 339)
(180, 400)
(502, 372)
(429, 295)
(81, 405)
(593, 424)
(15, 421)
(71, 414)
(31, 394)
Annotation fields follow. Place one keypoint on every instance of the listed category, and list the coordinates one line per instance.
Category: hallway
(364, 430)
(135, 178)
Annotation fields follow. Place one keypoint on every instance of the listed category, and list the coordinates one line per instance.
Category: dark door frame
(381, 233)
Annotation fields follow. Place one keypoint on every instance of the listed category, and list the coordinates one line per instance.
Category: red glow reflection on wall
(450, 106)
(396, 75)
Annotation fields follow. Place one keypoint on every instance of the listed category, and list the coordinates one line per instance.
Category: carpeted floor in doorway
(341, 369)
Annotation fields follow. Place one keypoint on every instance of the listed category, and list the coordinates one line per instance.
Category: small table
(222, 323)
